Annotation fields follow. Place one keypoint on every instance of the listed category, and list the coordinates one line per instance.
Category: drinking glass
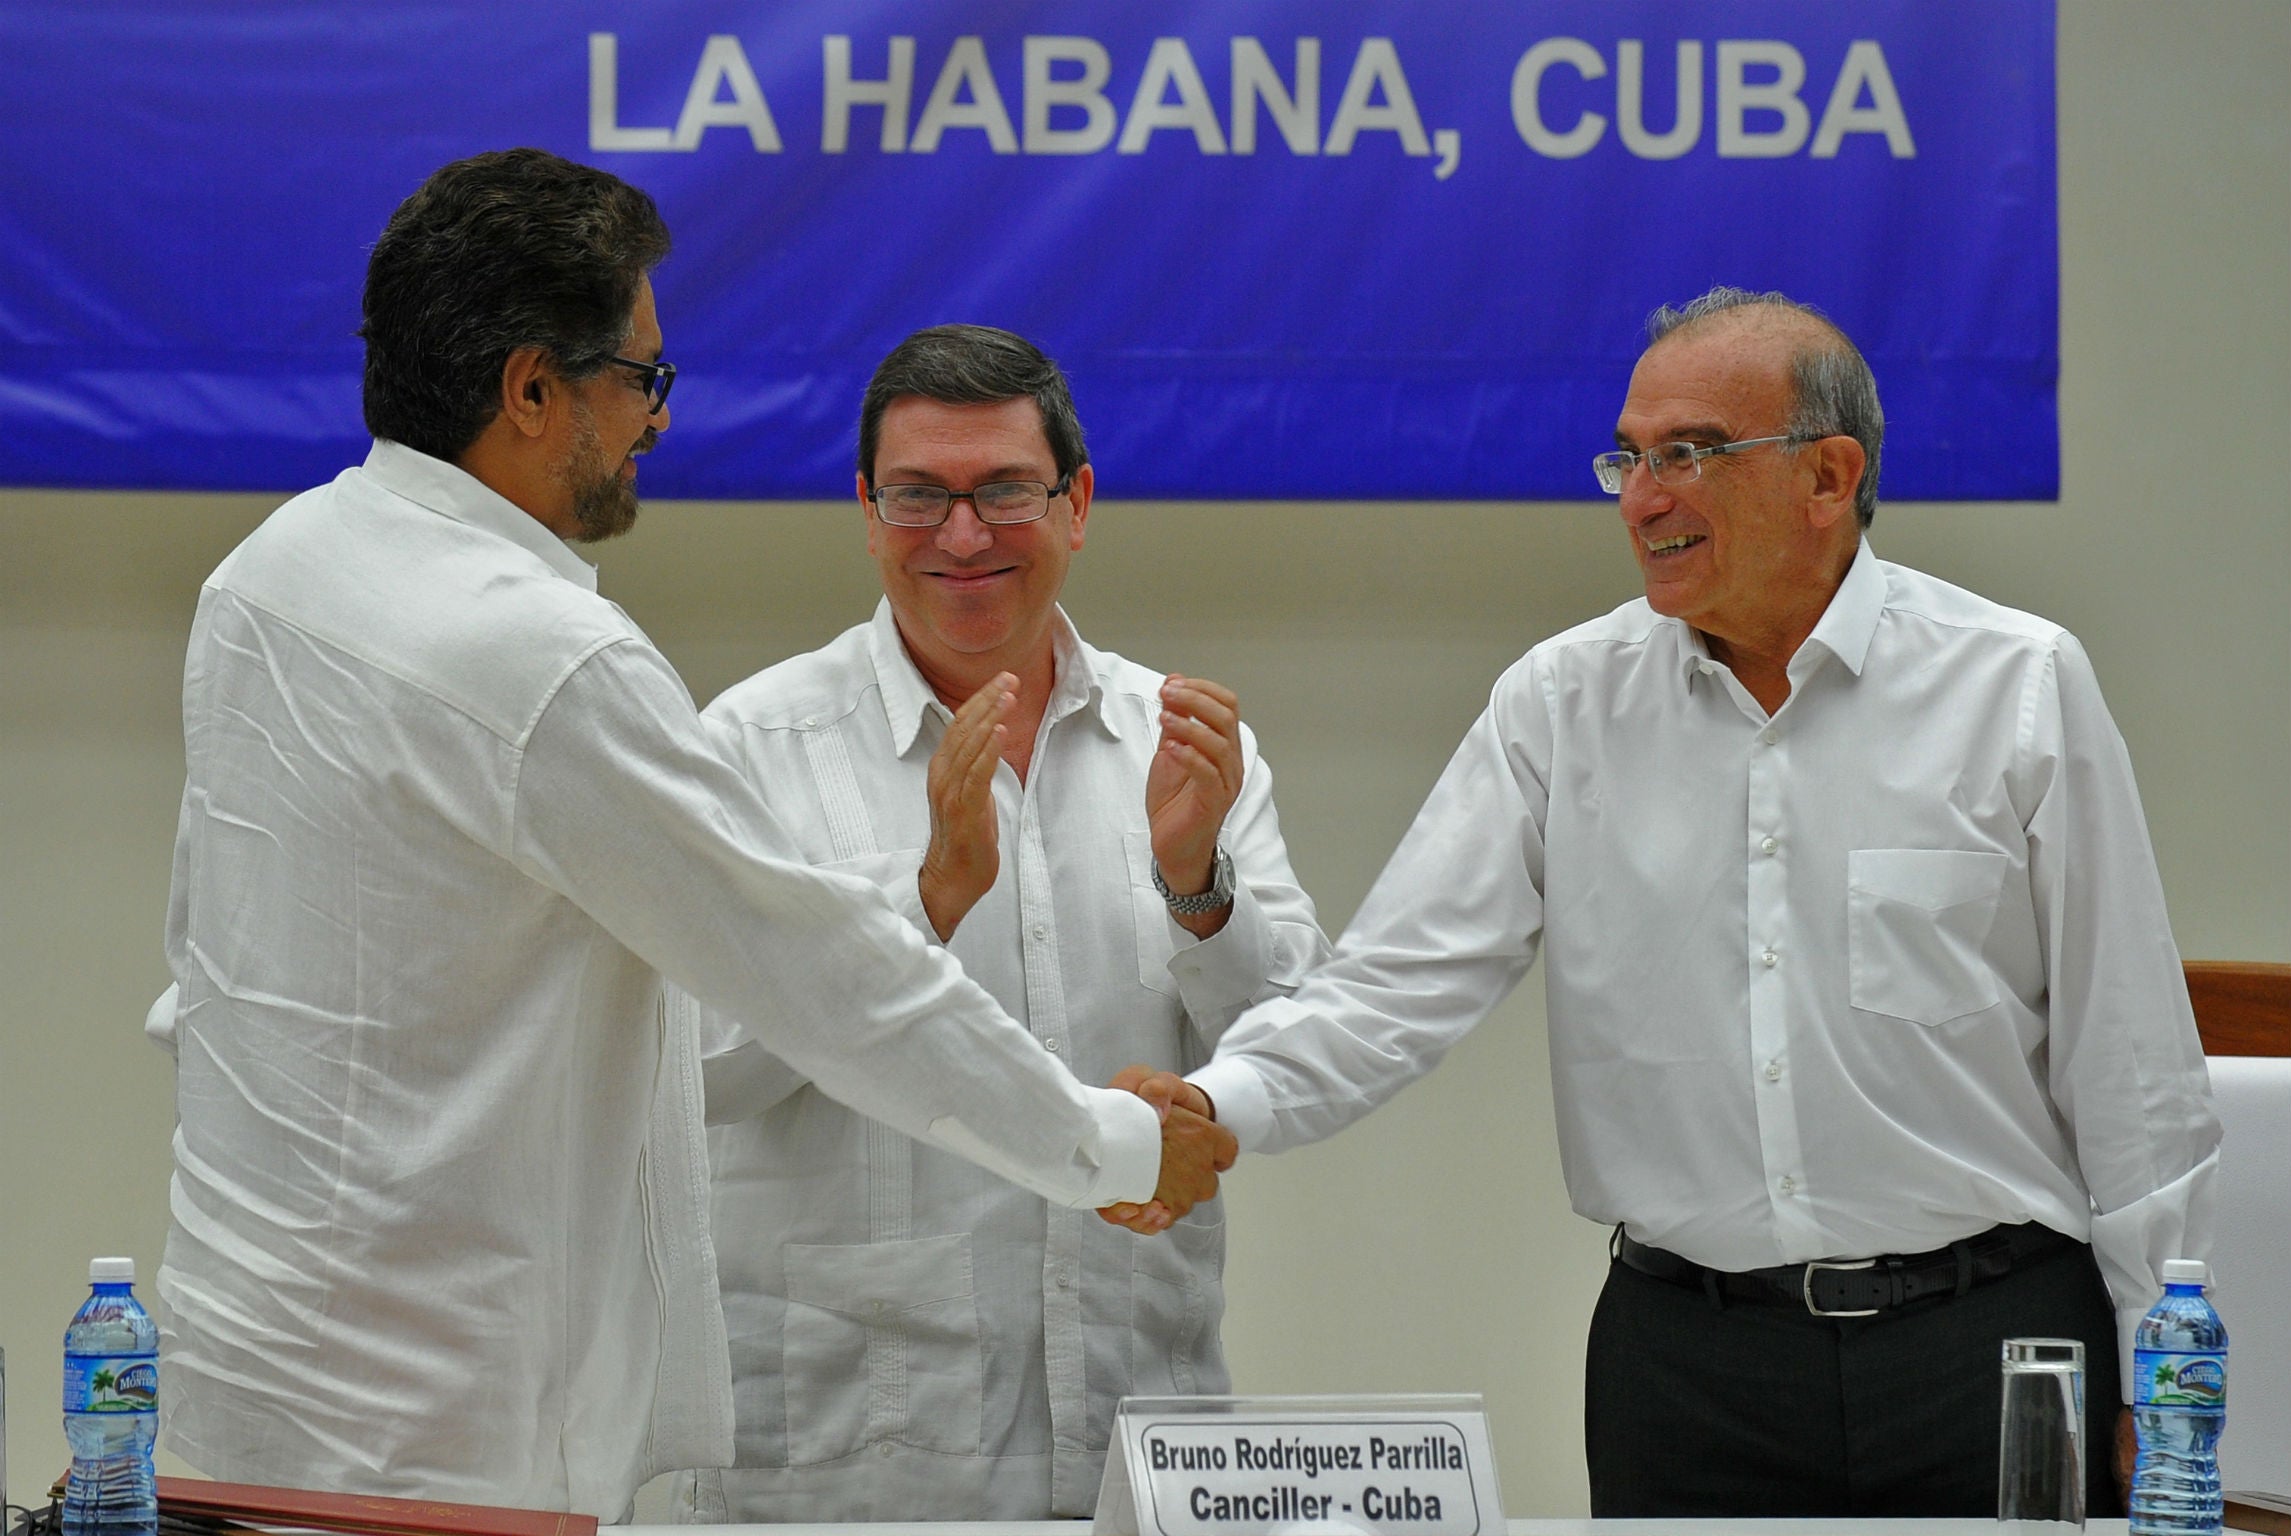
(2040, 1446)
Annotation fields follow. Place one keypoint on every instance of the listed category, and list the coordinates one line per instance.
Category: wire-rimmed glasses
(1001, 502)
(1671, 463)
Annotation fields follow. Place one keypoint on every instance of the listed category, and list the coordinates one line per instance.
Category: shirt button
(810, 721)
(1769, 735)
(1041, 931)
(1789, 1185)
(1770, 959)
(882, 1447)
(1051, 1045)
(1773, 1071)
(1767, 845)
(1065, 1279)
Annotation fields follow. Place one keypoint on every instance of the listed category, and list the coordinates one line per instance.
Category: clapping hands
(960, 865)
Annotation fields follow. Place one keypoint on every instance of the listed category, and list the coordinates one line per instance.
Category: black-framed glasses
(1001, 502)
(1671, 463)
(659, 378)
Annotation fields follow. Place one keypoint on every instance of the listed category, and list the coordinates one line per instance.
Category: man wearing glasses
(1867, 1032)
(913, 1339)
(439, 1204)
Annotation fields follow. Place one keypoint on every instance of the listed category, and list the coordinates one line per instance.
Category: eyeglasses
(659, 379)
(1001, 502)
(1671, 463)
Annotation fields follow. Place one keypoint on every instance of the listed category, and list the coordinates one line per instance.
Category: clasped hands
(1195, 1149)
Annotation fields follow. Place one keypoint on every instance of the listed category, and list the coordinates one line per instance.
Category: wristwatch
(1220, 890)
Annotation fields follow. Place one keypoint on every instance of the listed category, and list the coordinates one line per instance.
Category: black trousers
(1697, 1410)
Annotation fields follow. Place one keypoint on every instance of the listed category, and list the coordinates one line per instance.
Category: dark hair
(1833, 393)
(973, 365)
(501, 251)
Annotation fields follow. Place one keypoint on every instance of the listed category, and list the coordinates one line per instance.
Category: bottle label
(2173, 1379)
(100, 1384)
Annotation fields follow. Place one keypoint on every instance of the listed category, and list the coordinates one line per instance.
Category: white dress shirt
(439, 1222)
(912, 1338)
(1871, 975)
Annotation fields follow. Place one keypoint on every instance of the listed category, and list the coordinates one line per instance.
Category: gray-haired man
(1867, 1032)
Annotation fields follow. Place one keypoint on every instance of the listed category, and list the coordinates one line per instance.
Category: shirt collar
(452, 492)
(1845, 628)
(908, 700)
(1850, 622)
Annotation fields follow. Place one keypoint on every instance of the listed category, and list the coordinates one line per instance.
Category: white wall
(1431, 1248)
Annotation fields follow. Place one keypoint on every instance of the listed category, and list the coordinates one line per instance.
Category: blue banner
(1284, 248)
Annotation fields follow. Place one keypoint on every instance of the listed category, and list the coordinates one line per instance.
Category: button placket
(1773, 990)
(1062, 1328)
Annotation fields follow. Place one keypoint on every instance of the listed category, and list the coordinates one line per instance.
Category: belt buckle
(1806, 1288)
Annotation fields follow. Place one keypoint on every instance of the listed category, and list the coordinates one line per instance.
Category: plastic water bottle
(111, 1408)
(2179, 1405)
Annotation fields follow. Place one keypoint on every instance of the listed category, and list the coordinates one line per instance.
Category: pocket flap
(859, 1278)
(1932, 878)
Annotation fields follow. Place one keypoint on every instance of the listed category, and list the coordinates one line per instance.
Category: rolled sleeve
(2127, 1067)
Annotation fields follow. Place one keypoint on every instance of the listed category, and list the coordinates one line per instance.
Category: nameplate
(1253, 1466)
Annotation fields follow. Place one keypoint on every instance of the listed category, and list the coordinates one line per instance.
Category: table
(1575, 1527)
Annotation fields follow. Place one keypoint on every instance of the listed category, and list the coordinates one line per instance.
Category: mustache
(645, 443)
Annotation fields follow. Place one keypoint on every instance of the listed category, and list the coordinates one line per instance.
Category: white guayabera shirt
(1871, 975)
(439, 1196)
(911, 1337)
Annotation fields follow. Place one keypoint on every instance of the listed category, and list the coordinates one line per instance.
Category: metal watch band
(1219, 893)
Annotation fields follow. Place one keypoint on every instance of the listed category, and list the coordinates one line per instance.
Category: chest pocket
(1916, 921)
(882, 1344)
(1149, 915)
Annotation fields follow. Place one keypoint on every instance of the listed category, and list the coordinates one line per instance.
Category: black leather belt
(1855, 1287)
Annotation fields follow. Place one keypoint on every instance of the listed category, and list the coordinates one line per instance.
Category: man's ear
(1085, 483)
(1838, 463)
(530, 388)
(867, 514)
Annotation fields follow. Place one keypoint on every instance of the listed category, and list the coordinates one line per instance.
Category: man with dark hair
(439, 1206)
(1867, 1032)
(911, 1339)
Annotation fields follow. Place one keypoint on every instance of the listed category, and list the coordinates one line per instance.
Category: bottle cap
(111, 1271)
(2186, 1272)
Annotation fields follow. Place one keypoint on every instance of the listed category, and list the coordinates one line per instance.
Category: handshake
(1194, 1150)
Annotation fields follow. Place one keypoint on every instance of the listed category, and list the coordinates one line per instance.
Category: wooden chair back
(2243, 1007)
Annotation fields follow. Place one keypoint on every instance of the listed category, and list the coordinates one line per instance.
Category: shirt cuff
(1129, 1147)
(1243, 1106)
(1219, 976)
(2133, 1241)
(159, 1019)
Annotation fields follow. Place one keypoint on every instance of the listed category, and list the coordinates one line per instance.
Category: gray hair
(973, 365)
(1833, 393)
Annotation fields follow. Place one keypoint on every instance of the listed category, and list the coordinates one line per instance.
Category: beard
(604, 505)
